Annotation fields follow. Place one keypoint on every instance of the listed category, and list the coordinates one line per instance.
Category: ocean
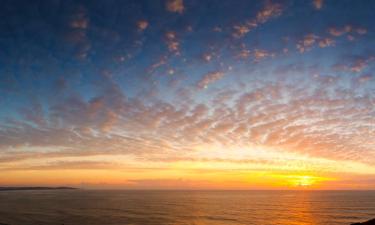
(92, 207)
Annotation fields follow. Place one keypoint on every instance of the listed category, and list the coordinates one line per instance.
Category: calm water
(80, 207)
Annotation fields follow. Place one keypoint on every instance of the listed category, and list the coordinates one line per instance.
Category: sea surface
(86, 207)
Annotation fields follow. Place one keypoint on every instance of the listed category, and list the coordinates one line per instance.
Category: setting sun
(304, 181)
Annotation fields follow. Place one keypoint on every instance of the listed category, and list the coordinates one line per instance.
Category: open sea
(86, 207)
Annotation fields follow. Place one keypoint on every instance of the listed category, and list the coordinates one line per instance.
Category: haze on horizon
(178, 94)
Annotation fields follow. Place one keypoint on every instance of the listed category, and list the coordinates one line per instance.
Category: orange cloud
(175, 6)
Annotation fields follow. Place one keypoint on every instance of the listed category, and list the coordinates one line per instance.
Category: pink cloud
(209, 78)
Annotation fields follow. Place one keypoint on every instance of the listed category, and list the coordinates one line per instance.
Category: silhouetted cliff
(370, 222)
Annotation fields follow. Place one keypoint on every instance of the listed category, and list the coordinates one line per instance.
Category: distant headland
(370, 222)
(35, 188)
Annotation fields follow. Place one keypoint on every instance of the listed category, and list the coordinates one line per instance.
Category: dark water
(79, 207)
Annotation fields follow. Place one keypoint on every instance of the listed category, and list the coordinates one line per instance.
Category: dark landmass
(34, 188)
(370, 222)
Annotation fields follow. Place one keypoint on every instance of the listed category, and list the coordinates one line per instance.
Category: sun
(303, 181)
(306, 181)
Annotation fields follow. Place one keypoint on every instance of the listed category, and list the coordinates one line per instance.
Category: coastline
(35, 189)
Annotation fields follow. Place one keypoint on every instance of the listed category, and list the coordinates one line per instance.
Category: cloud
(307, 42)
(304, 119)
(217, 29)
(269, 11)
(34, 113)
(310, 40)
(161, 62)
(240, 30)
(326, 42)
(354, 64)
(361, 31)
(79, 19)
(76, 34)
(69, 165)
(207, 57)
(110, 121)
(209, 78)
(177, 183)
(260, 54)
(172, 42)
(358, 65)
(318, 4)
(365, 78)
(175, 6)
(142, 25)
(244, 54)
(339, 31)
(347, 29)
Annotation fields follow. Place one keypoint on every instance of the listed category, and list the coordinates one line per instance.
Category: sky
(188, 94)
